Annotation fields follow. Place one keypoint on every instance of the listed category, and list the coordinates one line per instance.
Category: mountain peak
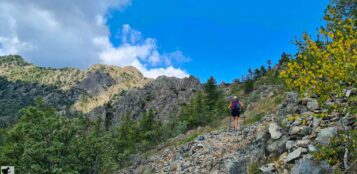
(116, 71)
(13, 60)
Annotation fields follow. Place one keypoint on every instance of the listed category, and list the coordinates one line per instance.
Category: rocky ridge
(71, 90)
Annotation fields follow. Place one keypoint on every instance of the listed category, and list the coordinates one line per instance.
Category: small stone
(274, 131)
(267, 168)
(348, 92)
(201, 138)
(312, 105)
(316, 122)
(294, 155)
(303, 143)
(325, 135)
(294, 130)
(200, 145)
(311, 148)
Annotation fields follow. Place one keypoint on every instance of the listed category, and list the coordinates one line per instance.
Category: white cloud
(141, 53)
(12, 45)
(74, 33)
(169, 72)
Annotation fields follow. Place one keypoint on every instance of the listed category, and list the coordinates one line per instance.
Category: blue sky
(221, 38)
(159, 37)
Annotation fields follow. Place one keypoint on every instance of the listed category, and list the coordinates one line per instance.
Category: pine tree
(147, 121)
(211, 93)
(269, 64)
(284, 58)
(250, 74)
(126, 135)
(108, 116)
(257, 74)
(262, 70)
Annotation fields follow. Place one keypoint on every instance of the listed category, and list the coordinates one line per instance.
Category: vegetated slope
(213, 149)
(279, 132)
(16, 95)
(71, 90)
(98, 83)
(313, 130)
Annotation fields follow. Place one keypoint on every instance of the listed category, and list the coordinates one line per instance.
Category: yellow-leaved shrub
(327, 65)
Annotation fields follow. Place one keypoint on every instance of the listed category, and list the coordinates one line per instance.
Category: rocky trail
(214, 152)
(279, 143)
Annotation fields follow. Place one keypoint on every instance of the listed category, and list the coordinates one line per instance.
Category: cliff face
(164, 95)
(71, 90)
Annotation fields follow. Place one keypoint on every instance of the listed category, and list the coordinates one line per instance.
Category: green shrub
(334, 152)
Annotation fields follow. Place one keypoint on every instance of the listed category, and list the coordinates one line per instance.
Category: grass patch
(188, 138)
(192, 134)
(253, 119)
(262, 107)
(253, 168)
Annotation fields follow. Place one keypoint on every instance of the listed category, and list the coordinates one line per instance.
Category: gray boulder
(274, 131)
(312, 105)
(325, 135)
(234, 166)
(278, 146)
(316, 122)
(294, 130)
(306, 166)
(295, 154)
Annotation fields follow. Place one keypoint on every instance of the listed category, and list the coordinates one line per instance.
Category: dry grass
(260, 108)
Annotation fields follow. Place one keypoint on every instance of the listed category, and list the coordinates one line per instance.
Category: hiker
(235, 106)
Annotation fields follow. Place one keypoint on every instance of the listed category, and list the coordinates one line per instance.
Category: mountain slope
(278, 142)
(71, 90)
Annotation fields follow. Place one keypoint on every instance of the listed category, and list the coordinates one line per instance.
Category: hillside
(276, 135)
(72, 91)
(298, 116)
(145, 129)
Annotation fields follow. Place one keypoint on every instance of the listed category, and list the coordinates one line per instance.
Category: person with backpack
(235, 106)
